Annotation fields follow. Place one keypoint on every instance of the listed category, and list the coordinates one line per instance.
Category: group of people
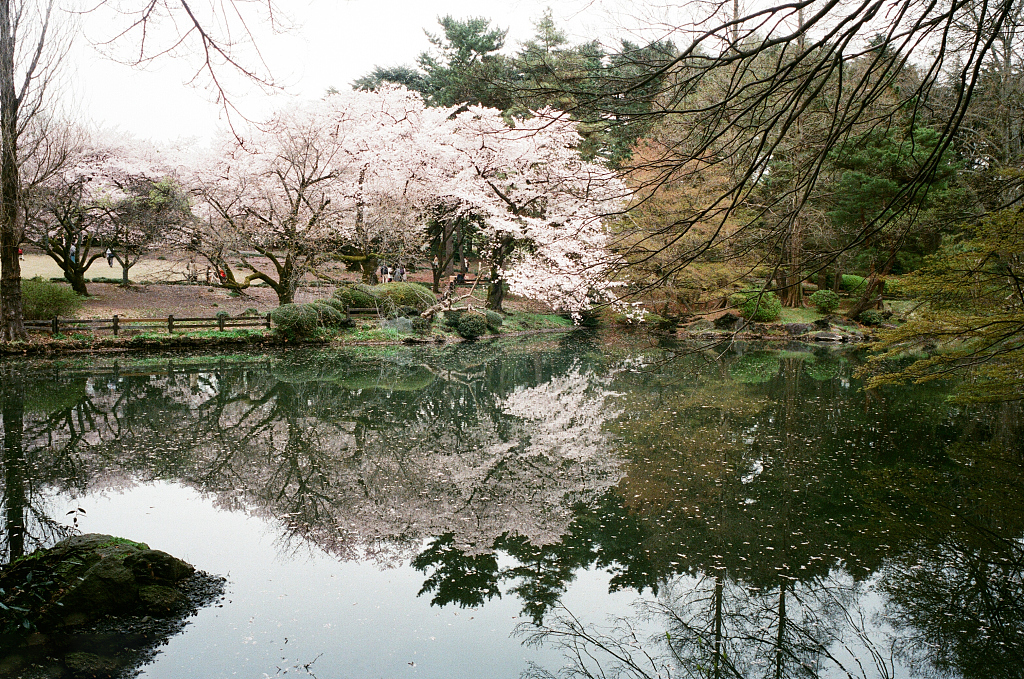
(389, 274)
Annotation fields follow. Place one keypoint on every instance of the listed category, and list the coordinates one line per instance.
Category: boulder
(729, 321)
(91, 576)
(797, 329)
(95, 606)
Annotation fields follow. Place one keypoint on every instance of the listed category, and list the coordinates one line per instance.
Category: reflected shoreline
(758, 503)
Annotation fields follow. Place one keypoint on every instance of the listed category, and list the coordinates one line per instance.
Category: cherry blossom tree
(357, 176)
(110, 193)
(543, 207)
(338, 179)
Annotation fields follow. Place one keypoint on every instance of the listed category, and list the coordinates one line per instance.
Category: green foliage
(757, 306)
(894, 287)
(420, 325)
(329, 316)
(334, 302)
(494, 319)
(825, 301)
(43, 300)
(465, 65)
(870, 317)
(452, 317)
(756, 368)
(853, 284)
(295, 320)
(399, 75)
(971, 322)
(406, 294)
(472, 325)
(357, 296)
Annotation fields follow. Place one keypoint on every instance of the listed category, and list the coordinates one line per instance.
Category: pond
(560, 507)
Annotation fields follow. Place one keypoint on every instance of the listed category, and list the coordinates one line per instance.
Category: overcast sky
(332, 43)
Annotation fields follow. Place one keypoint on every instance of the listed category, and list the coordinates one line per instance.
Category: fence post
(220, 322)
(115, 325)
(56, 325)
(170, 323)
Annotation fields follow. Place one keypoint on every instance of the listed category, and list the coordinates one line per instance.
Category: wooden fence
(117, 324)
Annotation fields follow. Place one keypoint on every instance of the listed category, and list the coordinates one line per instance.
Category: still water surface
(556, 508)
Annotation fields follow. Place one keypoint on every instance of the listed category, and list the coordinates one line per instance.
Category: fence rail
(117, 324)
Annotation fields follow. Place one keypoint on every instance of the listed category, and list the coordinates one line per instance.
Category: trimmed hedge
(42, 300)
(334, 302)
(406, 295)
(295, 320)
(494, 319)
(358, 296)
(329, 316)
(825, 301)
(452, 317)
(759, 307)
(472, 325)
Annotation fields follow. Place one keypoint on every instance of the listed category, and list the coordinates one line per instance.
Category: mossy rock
(83, 578)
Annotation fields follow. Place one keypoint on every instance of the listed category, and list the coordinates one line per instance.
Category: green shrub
(328, 316)
(295, 320)
(870, 317)
(494, 319)
(453, 316)
(420, 325)
(825, 301)
(894, 287)
(333, 302)
(43, 300)
(357, 296)
(406, 294)
(853, 284)
(761, 307)
(472, 325)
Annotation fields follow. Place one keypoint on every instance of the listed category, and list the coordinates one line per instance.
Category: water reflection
(778, 520)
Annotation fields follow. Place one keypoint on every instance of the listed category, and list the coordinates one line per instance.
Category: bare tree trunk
(12, 403)
(12, 320)
(368, 269)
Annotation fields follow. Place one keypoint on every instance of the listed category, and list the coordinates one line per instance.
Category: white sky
(333, 42)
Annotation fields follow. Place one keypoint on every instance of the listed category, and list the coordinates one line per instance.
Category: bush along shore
(400, 313)
(355, 314)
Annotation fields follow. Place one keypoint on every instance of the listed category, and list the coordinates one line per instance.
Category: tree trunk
(124, 276)
(12, 403)
(12, 320)
(77, 279)
(495, 291)
(873, 290)
(368, 267)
